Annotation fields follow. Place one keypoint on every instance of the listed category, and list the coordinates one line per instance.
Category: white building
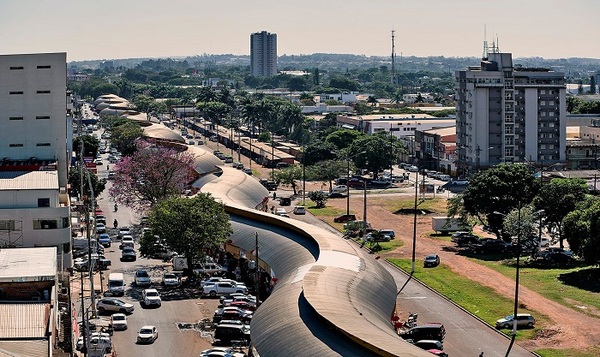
(34, 205)
(507, 113)
(263, 54)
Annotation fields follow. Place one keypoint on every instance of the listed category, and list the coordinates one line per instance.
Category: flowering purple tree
(151, 175)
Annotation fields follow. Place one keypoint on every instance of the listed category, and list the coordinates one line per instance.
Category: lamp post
(364, 230)
(348, 181)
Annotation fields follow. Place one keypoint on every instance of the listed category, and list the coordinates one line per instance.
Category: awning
(348, 126)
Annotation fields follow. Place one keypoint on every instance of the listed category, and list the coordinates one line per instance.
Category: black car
(432, 260)
(490, 245)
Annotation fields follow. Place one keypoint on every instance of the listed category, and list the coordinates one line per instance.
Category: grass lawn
(590, 352)
(549, 283)
(475, 298)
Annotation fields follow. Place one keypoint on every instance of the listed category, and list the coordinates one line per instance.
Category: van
(116, 284)
(226, 333)
(430, 331)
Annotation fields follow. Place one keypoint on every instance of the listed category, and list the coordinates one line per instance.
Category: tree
(582, 230)
(318, 151)
(123, 137)
(288, 176)
(193, 227)
(343, 138)
(522, 224)
(377, 152)
(74, 179)
(501, 188)
(557, 198)
(151, 175)
(593, 84)
(328, 170)
(90, 145)
(318, 197)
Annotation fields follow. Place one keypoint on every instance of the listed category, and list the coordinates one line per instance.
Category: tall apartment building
(34, 204)
(507, 113)
(263, 54)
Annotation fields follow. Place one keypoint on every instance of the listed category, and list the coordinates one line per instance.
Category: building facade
(263, 54)
(34, 204)
(508, 113)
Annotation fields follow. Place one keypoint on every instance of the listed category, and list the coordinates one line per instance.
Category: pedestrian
(481, 354)
(272, 209)
(274, 195)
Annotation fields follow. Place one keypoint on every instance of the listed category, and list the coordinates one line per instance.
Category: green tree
(377, 154)
(318, 151)
(522, 224)
(318, 197)
(501, 188)
(557, 198)
(123, 137)
(582, 230)
(327, 170)
(288, 176)
(98, 185)
(593, 84)
(193, 227)
(343, 138)
(90, 145)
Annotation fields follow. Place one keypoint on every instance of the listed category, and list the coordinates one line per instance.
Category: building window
(44, 67)
(15, 145)
(42, 117)
(66, 222)
(43, 202)
(15, 118)
(7, 225)
(43, 144)
(16, 68)
(15, 92)
(45, 224)
(43, 92)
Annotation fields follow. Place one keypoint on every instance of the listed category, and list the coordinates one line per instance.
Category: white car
(281, 212)
(118, 322)
(299, 210)
(151, 297)
(99, 338)
(340, 189)
(221, 352)
(147, 334)
(170, 279)
(123, 231)
(142, 278)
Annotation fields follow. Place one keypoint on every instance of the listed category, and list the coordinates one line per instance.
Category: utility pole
(257, 278)
(393, 78)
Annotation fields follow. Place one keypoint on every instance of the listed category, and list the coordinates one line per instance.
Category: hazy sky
(109, 29)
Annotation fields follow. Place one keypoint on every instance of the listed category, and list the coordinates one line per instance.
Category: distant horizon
(322, 53)
(89, 30)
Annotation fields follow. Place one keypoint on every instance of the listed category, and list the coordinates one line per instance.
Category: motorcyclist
(116, 223)
(116, 207)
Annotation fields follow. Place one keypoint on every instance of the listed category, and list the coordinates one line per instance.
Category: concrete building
(34, 204)
(263, 54)
(507, 113)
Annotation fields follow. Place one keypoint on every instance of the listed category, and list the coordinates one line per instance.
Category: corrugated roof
(29, 180)
(24, 320)
(27, 264)
(35, 348)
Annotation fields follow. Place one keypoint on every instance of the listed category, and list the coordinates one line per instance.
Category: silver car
(523, 320)
(112, 304)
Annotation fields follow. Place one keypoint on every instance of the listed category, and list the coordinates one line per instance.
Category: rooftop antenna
(393, 79)
(497, 44)
(485, 44)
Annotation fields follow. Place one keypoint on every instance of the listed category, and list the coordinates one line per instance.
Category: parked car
(142, 278)
(115, 305)
(221, 352)
(432, 260)
(126, 241)
(100, 228)
(463, 238)
(232, 313)
(523, 320)
(118, 321)
(429, 331)
(281, 212)
(299, 210)
(151, 297)
(170, 279)
(340, 189)
(247, 171)
(429, 344)
(147, 334)
(237, 165)
(490, 245)
(345, 218)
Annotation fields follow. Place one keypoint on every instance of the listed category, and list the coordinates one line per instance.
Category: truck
(223, 288)
(445, 225)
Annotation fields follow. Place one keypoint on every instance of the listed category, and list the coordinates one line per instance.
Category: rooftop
(27, 264)
(28, 180)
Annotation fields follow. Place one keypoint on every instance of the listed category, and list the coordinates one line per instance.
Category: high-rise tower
(507, 113)
(263, 54)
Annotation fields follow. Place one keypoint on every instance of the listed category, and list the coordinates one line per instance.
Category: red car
(345, 218)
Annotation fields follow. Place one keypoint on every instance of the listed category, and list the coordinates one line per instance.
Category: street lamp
(348, 181)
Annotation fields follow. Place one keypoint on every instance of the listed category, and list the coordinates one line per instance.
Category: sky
(110, 29)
